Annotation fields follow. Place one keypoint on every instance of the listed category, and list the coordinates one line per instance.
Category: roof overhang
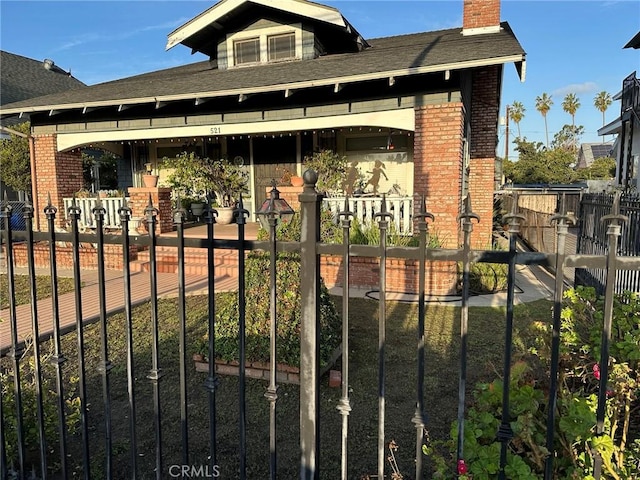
(611, 128)
(634, 42)
(335, 82)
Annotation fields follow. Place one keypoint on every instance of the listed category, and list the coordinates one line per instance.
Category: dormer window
(265, 45)
(282, 47)
(246, 51)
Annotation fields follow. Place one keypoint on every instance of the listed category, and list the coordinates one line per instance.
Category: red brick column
(58, 174)
(160, 199)
(437, 156)
(485, 101)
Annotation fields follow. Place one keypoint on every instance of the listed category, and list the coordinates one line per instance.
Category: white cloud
(577, 88)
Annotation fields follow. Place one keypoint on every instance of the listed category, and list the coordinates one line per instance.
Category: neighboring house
(288, 77)
(22, 78)
(591, 151)
(626, 149)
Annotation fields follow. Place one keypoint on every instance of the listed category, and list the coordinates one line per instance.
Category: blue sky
(572, 46)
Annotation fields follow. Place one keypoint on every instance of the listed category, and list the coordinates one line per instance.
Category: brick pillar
(58, 174)
(437, 156)
(160, 198)
(485, 101)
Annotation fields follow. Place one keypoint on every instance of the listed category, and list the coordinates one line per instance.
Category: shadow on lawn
(486, 339)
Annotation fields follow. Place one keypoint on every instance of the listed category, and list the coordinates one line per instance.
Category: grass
(22, 288)
(486, 344)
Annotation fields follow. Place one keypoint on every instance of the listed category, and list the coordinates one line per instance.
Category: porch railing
(86, 205)
(364, 210)
(227, 440)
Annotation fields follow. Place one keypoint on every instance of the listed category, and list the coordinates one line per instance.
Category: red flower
(596, 371)
(462, 467)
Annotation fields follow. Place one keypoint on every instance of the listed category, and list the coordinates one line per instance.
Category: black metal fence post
(74, 214)
(344, 405)
(310, 202)
(505, 432)
(28, 218)
(211, 383)
(465, 219)
(419, 417)
(613, 233)
(155, 374)
(272, 390)
(563, 221)
(17, 348)
(125, 216)
(58, 358)
(241, 219)
(383, 225)
(178, 219)
(105, 366)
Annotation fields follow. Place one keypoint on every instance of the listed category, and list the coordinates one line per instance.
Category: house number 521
(215, 130)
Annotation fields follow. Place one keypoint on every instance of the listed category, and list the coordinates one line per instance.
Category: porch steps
(195, 261)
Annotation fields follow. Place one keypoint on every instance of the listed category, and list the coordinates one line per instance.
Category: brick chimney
(481, 16)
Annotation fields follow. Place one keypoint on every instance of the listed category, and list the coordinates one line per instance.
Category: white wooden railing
(364, 209)
(86, 205)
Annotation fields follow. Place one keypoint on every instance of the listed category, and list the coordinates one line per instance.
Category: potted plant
(228, 181)
(196, 177)
(331, 169)
(149, 179)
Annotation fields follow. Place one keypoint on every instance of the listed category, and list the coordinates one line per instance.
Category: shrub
(288, 304)
(574, 430)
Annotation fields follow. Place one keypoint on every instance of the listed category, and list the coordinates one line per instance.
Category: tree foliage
(543, 105)
(571, 104)
(568, 138)
(536, 164)
(516, 113)
(15, 160)
(602, 101)
(603, 168)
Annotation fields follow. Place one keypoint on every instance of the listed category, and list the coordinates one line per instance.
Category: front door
(271, 157)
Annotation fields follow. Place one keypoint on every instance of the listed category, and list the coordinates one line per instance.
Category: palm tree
(516, 113)
(543, 105)
(571, 104)
(602, 102)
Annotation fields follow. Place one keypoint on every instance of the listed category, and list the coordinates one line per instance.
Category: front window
(282, 47)
(247, 51)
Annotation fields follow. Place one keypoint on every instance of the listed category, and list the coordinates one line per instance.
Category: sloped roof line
(317, 12)
(268, 88)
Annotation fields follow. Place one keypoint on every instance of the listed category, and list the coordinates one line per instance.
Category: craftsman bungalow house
(285, 78)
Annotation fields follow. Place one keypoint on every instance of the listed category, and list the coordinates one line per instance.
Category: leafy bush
(288, 305)
(575, 437)
(488, 277)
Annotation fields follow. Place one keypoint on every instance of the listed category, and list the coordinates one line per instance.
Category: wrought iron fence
(221, 439)
(593, 238)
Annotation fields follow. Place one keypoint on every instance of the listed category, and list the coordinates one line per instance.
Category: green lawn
(486, 339)
(22, 288)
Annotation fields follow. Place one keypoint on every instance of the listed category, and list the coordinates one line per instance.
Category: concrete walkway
(90, 299)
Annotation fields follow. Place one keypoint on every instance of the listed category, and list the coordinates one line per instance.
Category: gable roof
(22, 78)
(389, 57)
(203, 32)
(634, 42)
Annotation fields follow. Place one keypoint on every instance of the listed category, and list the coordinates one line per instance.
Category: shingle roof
(22, 78)
(592, 151)
(389, 56)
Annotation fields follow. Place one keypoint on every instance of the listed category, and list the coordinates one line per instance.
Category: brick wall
(64, 255)
(402, 274)
(58, 175)
(437, 155)
(485, 105)
(160, 198)
(481, 13)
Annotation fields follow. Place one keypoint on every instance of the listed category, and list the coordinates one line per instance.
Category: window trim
(263, 34)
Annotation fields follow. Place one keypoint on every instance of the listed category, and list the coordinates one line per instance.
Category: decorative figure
(374, 181)
(352, 176)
